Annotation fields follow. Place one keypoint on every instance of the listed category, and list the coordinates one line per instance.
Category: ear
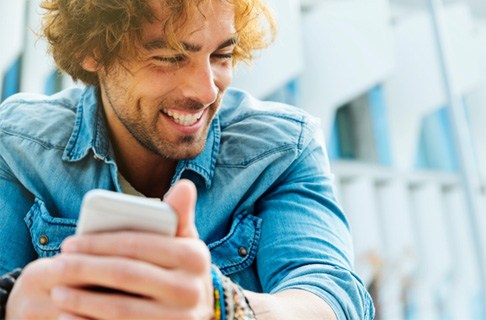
(90, 64)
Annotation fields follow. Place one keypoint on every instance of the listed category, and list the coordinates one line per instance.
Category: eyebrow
(162, 44)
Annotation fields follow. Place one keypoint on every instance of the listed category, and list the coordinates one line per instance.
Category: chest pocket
(238, 249)
(47, 232)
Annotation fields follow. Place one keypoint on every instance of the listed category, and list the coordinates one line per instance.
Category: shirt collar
(90, 132)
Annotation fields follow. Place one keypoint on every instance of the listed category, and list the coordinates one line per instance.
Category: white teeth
(184, 119)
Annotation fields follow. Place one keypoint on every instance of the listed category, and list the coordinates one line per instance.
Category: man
(156, 110)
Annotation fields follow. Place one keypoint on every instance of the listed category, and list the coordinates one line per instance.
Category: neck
(151, 177)
(147, 172)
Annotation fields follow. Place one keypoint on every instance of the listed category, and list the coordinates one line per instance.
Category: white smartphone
(103, 210)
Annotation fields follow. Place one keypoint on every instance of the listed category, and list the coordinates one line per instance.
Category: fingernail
(59, 294)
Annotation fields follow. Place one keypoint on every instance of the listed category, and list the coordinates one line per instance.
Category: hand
(148, 275)
(30, 296)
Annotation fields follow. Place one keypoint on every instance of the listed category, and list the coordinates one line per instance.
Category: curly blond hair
(76, 29)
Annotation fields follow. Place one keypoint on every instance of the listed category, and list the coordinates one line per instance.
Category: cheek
(154, 88)
(154, 80)
(224, 78)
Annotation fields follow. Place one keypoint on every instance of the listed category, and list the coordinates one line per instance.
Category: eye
(222, 56)
(170, 60)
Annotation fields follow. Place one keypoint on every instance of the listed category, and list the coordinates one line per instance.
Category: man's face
(167, 101)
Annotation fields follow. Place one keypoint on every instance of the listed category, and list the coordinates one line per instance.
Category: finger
(29, 298)
(33, 308)
(182, 198)
(175, 288)
(70, 316)
(37, 276)
(167, 252)
(94, 305)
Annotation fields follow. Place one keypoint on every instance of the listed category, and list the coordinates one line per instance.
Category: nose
(200, 83)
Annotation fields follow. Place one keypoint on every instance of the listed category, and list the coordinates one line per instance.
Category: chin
(186, 156)
(186, 153)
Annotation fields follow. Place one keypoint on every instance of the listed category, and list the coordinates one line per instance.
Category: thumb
(182, 198)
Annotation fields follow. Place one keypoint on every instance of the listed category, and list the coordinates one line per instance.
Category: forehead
(189, 17)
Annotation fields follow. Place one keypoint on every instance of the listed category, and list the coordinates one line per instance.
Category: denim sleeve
(16, 249)
(306, 242)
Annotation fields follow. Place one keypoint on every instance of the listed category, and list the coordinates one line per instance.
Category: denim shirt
(265, 208)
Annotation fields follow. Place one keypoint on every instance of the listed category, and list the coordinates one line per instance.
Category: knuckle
(118, 274)
(204, 251)
(24, 310)
(206, 259)
(195, 296)
(37, 272)
(121, 273)
(66, 267)
(185, 253)
(28, 275)
(85, 246)
(130, 245)
(73, 300)
(197, 257)
(119, 310)
(33, 269)
(187, 290)
(192, 290)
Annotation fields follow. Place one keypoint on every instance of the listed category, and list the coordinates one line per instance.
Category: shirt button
(43, 240)
(243, 252)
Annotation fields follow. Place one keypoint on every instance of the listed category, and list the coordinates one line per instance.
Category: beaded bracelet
(237, 305)
(7, 282)
(230, 302)
(219, 306)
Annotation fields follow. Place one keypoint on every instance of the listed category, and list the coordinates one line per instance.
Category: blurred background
(400, 88)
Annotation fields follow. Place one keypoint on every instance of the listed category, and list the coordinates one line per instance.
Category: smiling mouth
(183, 119)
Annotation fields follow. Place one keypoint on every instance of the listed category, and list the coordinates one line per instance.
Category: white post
(462, 138)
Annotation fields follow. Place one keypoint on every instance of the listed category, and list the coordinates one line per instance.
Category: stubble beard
(147, 135)
(187, 147)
